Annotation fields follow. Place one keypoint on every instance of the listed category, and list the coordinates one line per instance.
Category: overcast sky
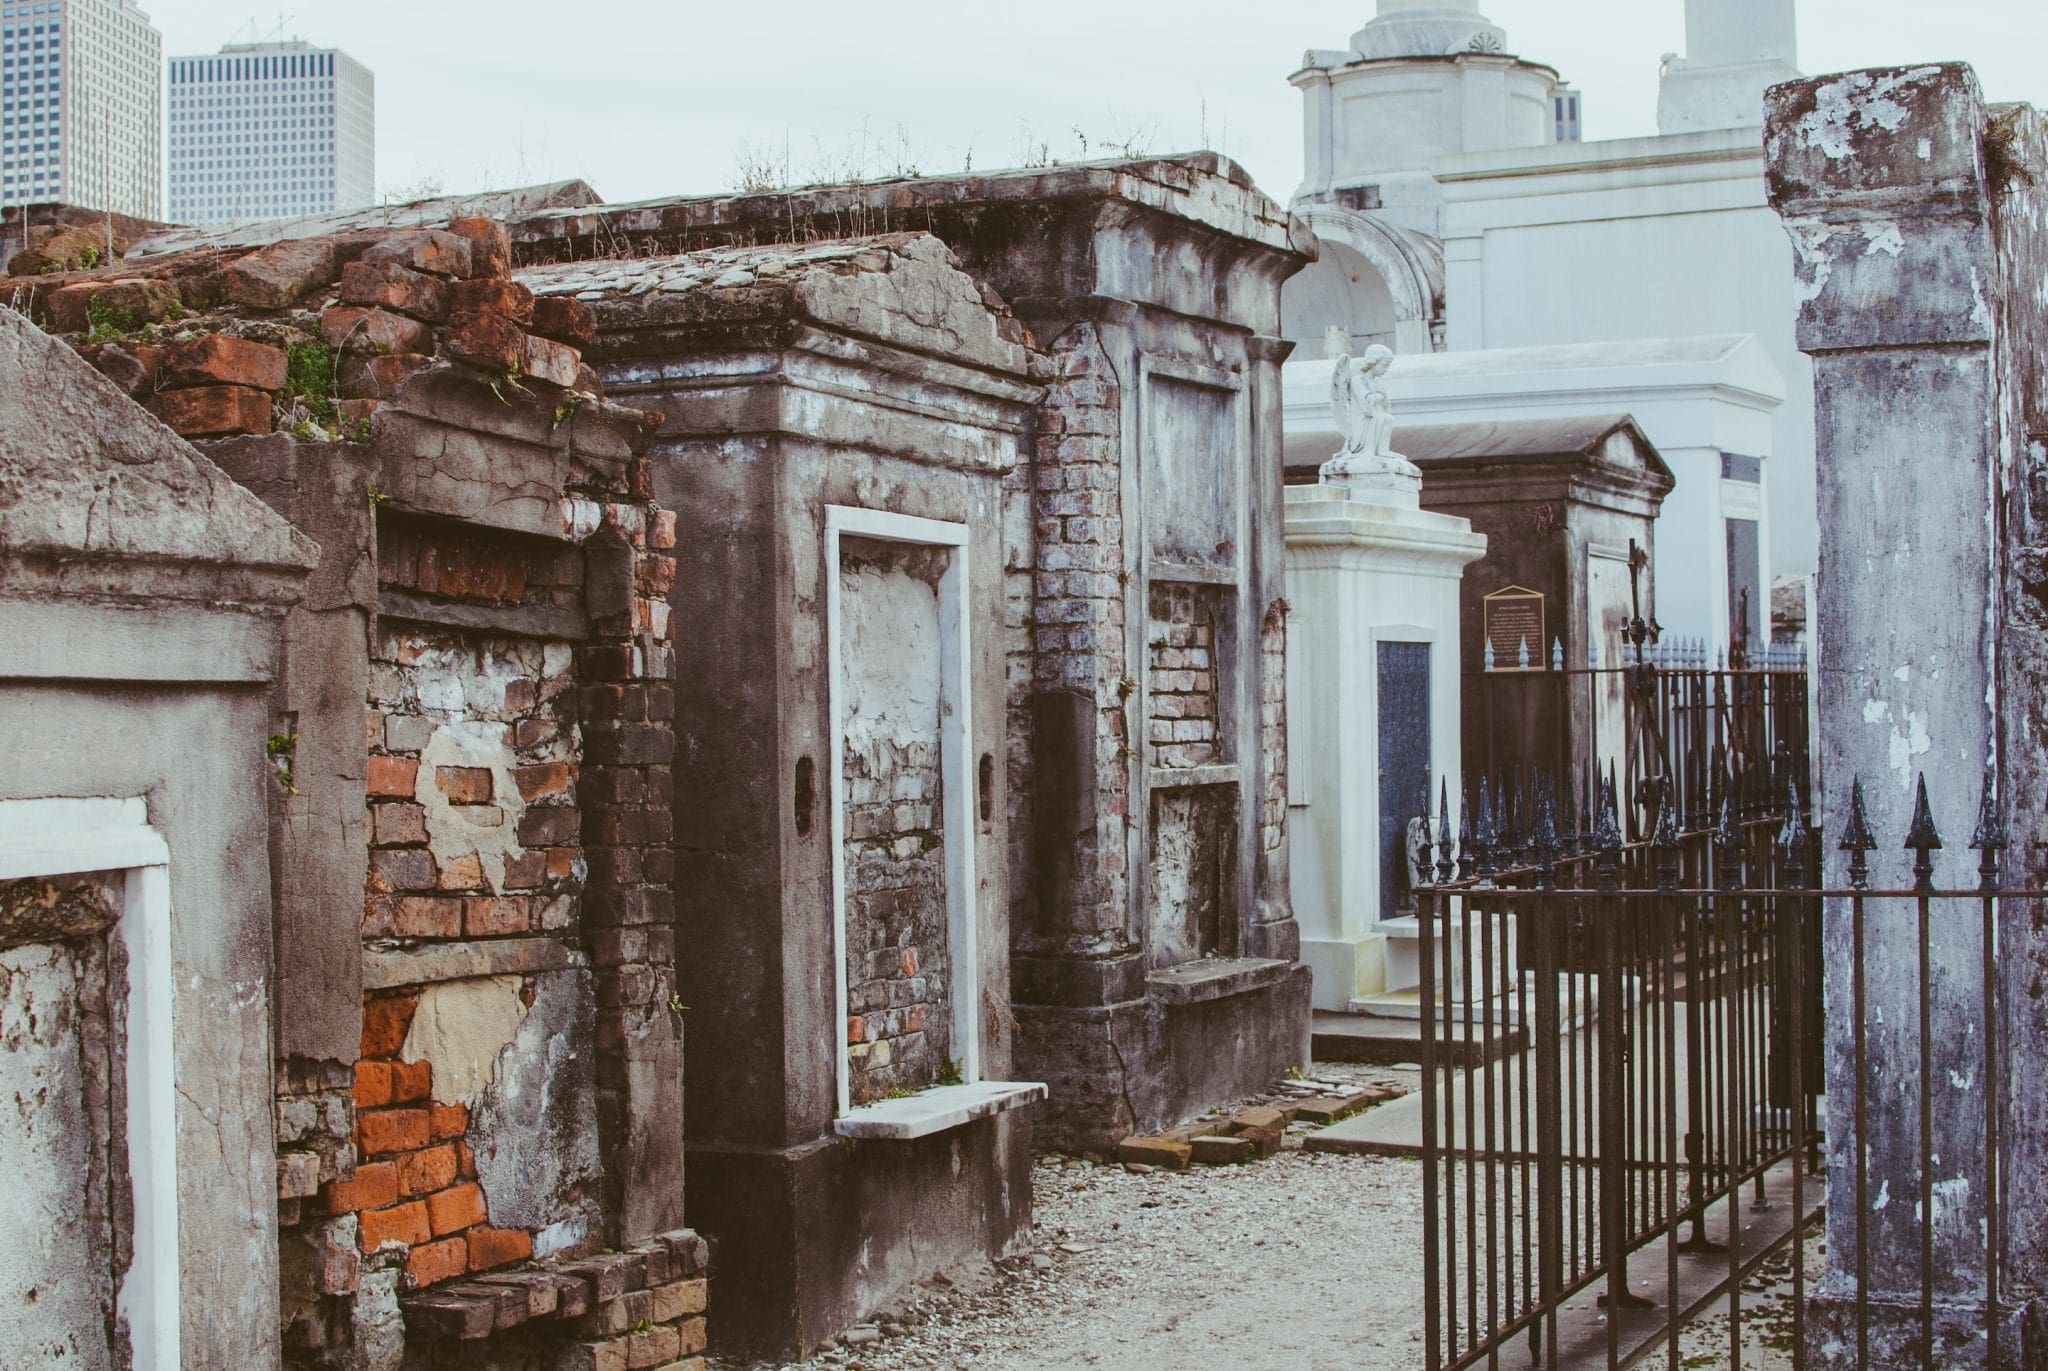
(655, 97)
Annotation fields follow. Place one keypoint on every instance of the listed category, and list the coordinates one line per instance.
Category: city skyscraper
(81, 105)
(270, 131)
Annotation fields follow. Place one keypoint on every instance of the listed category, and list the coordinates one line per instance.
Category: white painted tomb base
(1366, 566)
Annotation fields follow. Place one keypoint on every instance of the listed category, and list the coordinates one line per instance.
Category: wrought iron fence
(1665, 719)
(1659, 1133)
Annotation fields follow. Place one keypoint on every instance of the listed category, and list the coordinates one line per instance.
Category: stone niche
(65, 1231)
(1153, 461)
(843, 415)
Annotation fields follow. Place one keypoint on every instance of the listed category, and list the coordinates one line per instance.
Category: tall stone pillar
(1912, 209)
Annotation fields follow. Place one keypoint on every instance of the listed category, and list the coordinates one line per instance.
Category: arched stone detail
(1411, 264)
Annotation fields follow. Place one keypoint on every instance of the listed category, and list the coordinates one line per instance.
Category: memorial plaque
(1404, 765)
(1514, 618)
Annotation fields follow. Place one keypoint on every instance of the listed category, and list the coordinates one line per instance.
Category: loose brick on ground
(1217, 1151)
(1169, 1153)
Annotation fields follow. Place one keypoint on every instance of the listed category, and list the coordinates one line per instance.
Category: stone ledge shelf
(1215, 978)
(935, 1110)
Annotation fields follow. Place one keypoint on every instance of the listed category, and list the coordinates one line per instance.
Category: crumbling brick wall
(898, 970)
(1077, 628)
(1183, 728)
(505, 706)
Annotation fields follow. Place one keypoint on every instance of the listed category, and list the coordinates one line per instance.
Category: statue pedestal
(1373, 717)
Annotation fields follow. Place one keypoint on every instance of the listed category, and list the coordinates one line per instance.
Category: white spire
(1428, 28)
(1735, 51)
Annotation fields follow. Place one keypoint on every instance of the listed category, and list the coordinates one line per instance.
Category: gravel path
(1303, 1261)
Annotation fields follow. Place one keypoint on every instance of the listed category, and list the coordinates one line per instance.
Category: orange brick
(373, 1084)
(216, 360)
(375, 1185)
(462, 873)
(464, 785)
(211, 411)
(561, 863)
(436, 1262)
(383, 1131)
(548, 778)
(411, 1082)
(448, 1121)
(497, 1246)
(451, 1211)
(465, 1161)
(386, 1021)
(393, 776)
(489, 916)
(422, 1173)
(412, 916)
(403, 1223)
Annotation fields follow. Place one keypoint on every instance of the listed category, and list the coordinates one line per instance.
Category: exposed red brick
(387, 285)
(403, 868)
(546, 360)
(561, 863)
(489, 916)
(490, 245)
(547, 778)
(497, 1246)
(565, 319)
(546, 827)
(453, 1210)
(374, 1084)
(281, 275)
(386, 1020)
(435, 1262)
(464, 785)
(526, 870)
(215, 359)
(384, 1131)
(374, 1186)
(212, 411)
(358, 411)
(404, 1223)
(379, 378)
(856, 1029)
(465, 1161)
(422, 1173)
(396, 777)
(413, 916)
(663, 535)
(462, 873)
(428, 250)
(448, 1121)
(490, 341)
(493, 296)
(521, 694)
(146, 301)
(398, 825)
(411, 1082)
(374, 330)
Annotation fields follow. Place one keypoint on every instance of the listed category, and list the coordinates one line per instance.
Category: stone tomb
(842, 418)
(1559, 502)
(1141, 779)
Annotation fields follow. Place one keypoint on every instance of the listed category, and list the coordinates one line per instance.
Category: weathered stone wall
(1182, 726)
(1918, 216)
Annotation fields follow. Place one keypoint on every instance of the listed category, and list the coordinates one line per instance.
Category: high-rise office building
(81, 105)
(270, 131)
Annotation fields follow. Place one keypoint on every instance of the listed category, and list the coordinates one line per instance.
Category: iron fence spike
(1727, 833)
(1607, 827)
(1922, 837)
(1546, 824)
(1792, 837)
(1857, 838)
(1666, 837)
(1990, 834)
